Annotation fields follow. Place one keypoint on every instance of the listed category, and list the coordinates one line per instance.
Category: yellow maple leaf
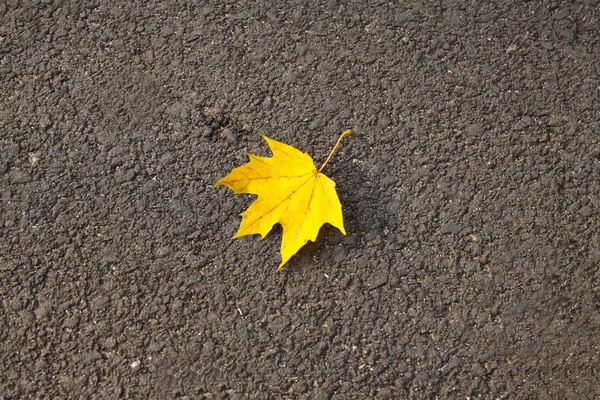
(291, 192)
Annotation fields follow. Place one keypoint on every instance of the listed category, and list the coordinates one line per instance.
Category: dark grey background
(470, 190)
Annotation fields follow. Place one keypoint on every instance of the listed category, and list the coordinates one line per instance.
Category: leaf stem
(345, 133)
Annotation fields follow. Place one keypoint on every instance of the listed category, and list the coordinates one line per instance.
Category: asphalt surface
(470, 189)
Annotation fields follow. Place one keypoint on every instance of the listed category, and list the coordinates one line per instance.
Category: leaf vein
(260, 217)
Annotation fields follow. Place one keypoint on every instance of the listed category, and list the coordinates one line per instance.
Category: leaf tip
(220, 182)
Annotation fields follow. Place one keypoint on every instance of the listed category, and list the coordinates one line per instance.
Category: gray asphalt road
(470, 190)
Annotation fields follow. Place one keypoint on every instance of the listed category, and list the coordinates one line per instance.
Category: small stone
(45, 122)
(43, 311)
(385, 393)
(339, 254)
(19, 176)
(27, 318)
(393, 207)
(34, 158)
(13, 150)
(555, 121)
(163, 251)
(586, 211)
(267, 103)
(16, 305)
(99, 302)
(72, 322)
(230, 136)
(389, 180)
(135, 366)
(475, 129)
(547, 45)
(167, 159)
(122, 176)
(450, 227)
(110, 343)
(157, 346)
(149, 185)
(378, 279)
(148, 56)
(522, 124)
(60, 33)
(178, 110)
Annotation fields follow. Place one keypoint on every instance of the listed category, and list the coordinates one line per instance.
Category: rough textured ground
(470, 190)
